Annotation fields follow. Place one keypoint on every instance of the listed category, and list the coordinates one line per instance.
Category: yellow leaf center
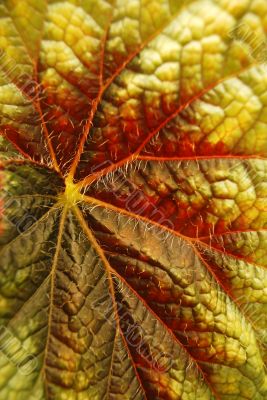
(72, 194)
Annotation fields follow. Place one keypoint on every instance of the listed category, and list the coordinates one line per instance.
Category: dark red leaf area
(35, 150)
(177, 216)
(183, 146)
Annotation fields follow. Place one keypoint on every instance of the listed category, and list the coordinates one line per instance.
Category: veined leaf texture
(133, 199)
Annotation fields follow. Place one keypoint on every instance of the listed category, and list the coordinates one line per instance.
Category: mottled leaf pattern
(133, 200)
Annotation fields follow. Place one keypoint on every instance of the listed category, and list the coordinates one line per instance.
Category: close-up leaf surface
(133, 207)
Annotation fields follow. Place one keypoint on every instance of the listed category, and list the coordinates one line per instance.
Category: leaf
(134, 200)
